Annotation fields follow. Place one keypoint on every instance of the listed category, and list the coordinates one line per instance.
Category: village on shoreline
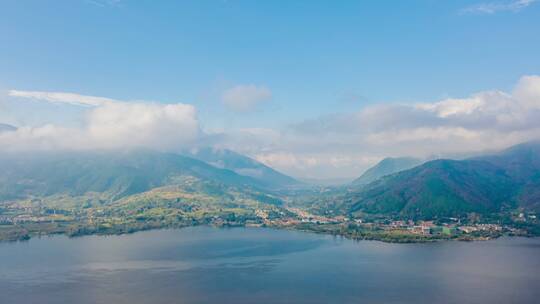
(22, 223)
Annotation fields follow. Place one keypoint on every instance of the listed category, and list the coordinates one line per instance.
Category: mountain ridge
(6, 127)
(453, 188)
(118, 173)
(243, 165)
(385, 167)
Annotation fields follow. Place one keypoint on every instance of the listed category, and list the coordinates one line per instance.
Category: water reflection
(206, 265)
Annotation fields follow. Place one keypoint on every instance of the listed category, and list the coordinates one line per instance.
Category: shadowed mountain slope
(115, 174)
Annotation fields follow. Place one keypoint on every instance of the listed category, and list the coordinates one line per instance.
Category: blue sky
(303, 60)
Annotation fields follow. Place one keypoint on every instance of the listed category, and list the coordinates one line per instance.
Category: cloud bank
(108, 124)
(344, 144)
(330, 146)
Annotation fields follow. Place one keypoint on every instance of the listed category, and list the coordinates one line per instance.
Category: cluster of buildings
(6, 220)
(421, 227)
(407, 226)
(481, 227)
(524, 217)
(14, 214)
(23, 218)
(430, 228)
(425, 228)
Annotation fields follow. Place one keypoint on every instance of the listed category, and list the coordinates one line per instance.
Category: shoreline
(386, 237)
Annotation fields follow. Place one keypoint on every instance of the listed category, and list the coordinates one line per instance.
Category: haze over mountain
(243, 165)
(114, 174)
(522, 164)
(439, 188)
(385, 167)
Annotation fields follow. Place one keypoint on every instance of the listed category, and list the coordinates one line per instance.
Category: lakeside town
(20, 221)
(451, 227)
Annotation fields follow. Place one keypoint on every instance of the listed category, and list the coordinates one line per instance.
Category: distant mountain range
(243, 165)
(385, 167)
(6, 127)
(439, 188)
(401, 187)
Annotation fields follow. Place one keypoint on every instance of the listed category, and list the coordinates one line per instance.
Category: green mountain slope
(450, 188)
(522, 163)
(385, 167)
(438, 188)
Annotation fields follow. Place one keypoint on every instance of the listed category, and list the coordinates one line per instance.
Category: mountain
(444, 188)
(385, 167)
(438, 188)
(522, 161)
(522, 164)
(6, 127)
(243, 165)
(111, 174)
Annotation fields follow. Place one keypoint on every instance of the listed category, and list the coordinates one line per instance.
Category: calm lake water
(209, 265)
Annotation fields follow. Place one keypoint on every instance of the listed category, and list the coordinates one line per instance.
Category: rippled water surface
(209, 265)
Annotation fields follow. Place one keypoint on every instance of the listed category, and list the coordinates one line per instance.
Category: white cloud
(109, 124)
(494, 7)
(62, 97)
(344, 144)
(451, 107)
(528, 91)
(330, 146)
(244, 98)
(155, 125)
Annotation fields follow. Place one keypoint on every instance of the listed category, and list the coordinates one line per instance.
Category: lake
(248, 265)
